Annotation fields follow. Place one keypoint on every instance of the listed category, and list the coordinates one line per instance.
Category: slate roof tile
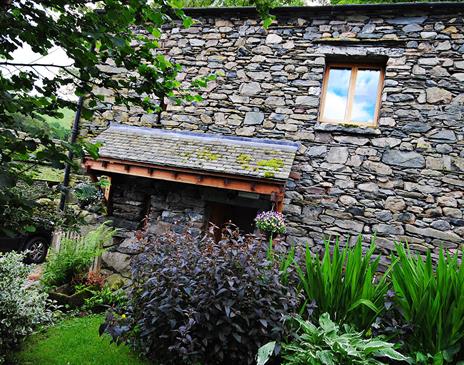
(253, 157)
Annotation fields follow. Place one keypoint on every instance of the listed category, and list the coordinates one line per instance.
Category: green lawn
(74, 341)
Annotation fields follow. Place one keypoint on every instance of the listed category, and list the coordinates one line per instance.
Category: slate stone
(441, 225)
(459, 76)
(428, 35)
(400, 97)
(403, 159)
(250, 89)
(205, 152)
(253, 118)
(412, 28)
(444, 148)
(444, 135)
(316, 151)
(436, 95)
(273, 39)
(307, 101)
(384, 215)
(356, 211)
(406, 20)
(415, 127)
(388, 229)
(434, 233)
(337, 155)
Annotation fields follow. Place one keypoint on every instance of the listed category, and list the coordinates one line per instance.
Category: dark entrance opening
(243, 217)
(237, 207)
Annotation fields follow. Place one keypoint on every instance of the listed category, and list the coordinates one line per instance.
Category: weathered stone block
(316, 151)
(245, 131)
(337, 155)
(369, 187)
(250, 89)
(253, 118)
(117, 261)
(403, 159)
(378, 167)
(434, 233)
(307, 101)
(437, 95)
(447, 201)
(273, 38)
(388, 229)
(347, 200)
(395, 204)
(351, 225)
(441, 225)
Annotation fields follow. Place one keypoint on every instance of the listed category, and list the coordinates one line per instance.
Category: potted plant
(271, 223)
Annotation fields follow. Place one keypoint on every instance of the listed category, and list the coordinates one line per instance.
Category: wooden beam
(186, 177)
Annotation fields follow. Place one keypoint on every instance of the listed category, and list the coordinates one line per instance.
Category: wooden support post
(107, 190)
(280, 202)
(277, 198)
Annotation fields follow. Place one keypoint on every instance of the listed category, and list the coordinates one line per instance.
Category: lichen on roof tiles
(253, 157)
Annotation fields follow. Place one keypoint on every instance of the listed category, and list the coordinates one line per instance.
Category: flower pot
(270, 235)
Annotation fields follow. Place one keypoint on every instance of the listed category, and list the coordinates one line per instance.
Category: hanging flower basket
(270, 223)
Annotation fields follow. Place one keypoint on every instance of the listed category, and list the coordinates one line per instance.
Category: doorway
(242, 217)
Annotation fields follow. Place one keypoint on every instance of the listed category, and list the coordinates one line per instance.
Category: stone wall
(403, 180)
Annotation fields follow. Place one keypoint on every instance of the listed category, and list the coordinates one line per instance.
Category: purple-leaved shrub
(194, 301)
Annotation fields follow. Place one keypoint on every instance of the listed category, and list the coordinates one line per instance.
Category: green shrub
(344, 284)
(431, 298)
(22, 308)
(329, 344)
(74, 257)
(87, 193)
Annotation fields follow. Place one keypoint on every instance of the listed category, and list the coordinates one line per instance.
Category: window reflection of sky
(337, 94)
(365, 95)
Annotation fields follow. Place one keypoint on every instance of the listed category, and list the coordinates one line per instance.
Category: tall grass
(431, 298)
(344, 284)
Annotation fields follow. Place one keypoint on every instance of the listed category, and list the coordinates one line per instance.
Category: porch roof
(248, 157)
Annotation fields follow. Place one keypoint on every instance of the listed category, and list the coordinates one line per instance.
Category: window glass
(365, 96)
(336, 98)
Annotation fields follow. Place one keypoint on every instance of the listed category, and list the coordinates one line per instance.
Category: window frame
(354, 67)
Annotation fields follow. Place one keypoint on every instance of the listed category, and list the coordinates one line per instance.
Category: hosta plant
(344, 283)
(330, 344)
(194, 301)
(430, 297)
(22, 307)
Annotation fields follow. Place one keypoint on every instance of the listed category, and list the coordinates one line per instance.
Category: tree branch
(14, 64)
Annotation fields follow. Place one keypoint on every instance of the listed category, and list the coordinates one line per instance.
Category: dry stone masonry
(403, 180)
